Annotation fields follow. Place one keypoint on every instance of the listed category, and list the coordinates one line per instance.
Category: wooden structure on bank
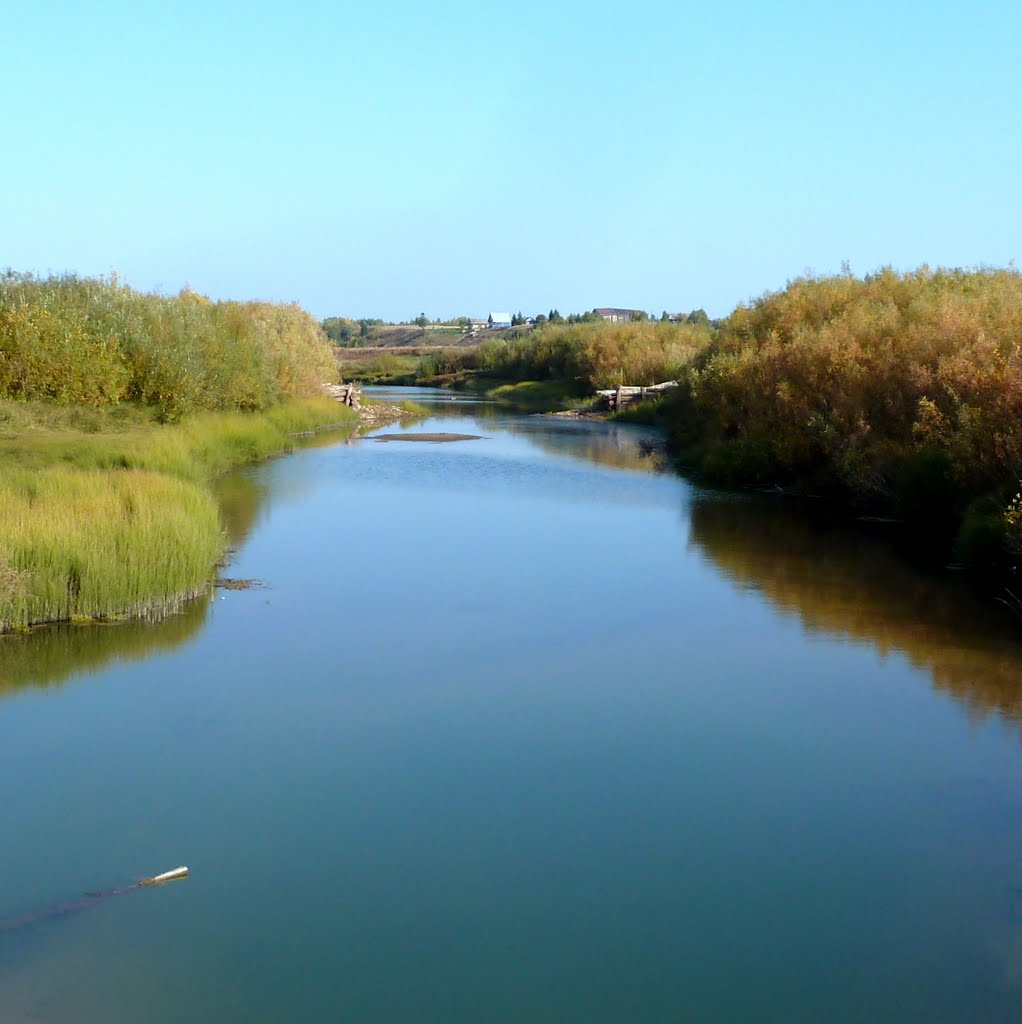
(347, 394)
(616, 399)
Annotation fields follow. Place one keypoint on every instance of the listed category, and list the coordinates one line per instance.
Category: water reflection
(52, 654)
(242, 497)
(616, 445)
(847, 582)
(605, 444)
(840, 580)
(444, 402)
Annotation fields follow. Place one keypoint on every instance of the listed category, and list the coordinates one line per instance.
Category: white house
(499, 320)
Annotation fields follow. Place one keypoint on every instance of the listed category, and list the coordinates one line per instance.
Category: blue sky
(392, 158)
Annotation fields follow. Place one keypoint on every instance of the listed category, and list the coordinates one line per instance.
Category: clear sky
(392, 157)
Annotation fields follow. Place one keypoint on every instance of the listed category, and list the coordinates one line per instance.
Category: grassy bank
(118, 518)
(897, 394)
(39, 435)
(117, 409)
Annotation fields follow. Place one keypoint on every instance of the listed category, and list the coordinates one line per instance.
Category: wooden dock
(616, 399)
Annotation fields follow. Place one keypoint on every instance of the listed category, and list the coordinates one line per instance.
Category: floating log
(167, 876)
(62, 910)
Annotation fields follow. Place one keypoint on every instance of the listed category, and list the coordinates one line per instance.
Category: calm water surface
(520, 729)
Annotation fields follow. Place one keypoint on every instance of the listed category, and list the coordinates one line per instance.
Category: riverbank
(895, 395)
(431, 606)
(106, 513)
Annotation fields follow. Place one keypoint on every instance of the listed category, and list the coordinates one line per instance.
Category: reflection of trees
(843, 581)
(241, 497)
(51, 654)
(621, 446)
(606, 444)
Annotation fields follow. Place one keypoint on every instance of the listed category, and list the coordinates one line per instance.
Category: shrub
(595, 354)
(903, 388)
(97, 342)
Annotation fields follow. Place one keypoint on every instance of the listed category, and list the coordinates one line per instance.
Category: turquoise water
(521, 729)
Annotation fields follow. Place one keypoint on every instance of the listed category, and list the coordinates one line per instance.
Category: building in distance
(617, 316)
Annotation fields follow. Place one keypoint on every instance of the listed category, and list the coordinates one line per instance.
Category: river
(521, 729)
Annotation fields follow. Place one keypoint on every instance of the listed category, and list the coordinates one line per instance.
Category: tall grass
(104, 524)
(196, 448)
(79, 545)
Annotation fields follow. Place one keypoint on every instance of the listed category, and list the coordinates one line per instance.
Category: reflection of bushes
(982, 534)
(843, 582)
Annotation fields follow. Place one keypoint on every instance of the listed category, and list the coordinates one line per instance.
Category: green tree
(368, 330)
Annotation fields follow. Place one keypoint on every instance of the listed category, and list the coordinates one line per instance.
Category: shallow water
(520, 729)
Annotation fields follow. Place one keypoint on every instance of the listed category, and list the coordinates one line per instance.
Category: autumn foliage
(900, 389)
(98, 342)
